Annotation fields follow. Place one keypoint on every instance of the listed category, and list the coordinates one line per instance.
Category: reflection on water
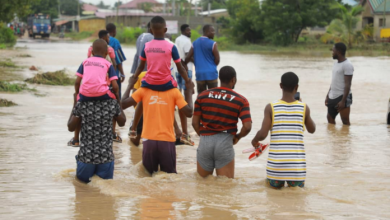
(347, 175)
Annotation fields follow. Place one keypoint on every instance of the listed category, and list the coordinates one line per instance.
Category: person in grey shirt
(339, 98)
(141, 41)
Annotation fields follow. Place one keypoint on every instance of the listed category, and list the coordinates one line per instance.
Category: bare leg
(227, 170)
(177, 129)
(331, 120)
(202, 172)
(77, 133)
(344, 114)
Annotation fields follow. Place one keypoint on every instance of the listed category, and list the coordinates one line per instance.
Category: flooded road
(348, 174)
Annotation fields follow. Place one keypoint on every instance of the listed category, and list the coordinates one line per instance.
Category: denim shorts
(85, 171)
(180, 81)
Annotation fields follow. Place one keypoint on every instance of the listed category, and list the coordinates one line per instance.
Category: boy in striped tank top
(286, 119)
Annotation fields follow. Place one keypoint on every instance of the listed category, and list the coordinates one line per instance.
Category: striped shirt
(286, 158)
(220, 109)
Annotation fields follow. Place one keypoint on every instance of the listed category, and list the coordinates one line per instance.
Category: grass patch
(24, 55)
(8, 63)
(79, 36)
(6, 103)
(57, 78)
(14, 87)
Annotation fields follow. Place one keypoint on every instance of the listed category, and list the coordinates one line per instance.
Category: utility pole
(165, 7)
(384, 15)
(117, 12)
(173, 7)
(209, 8)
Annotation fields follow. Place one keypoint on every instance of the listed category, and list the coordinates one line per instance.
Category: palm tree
(343, 29)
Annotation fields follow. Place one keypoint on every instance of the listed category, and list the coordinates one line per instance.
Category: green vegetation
(57, 78)
(23, 55)
(6, 103)
(14, 87)
(79, 36)
(128, 35)
(7, 37)
(8, 9)
(8, 63)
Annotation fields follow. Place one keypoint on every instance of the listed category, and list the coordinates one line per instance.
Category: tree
(102, 5)
(47, 7)
(343, 29)
(69, 7)
(146, 6)
(245, 20)
(10, 8)
(117, 4)
(284, 20)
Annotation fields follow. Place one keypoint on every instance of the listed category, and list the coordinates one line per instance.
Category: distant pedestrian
(120, 58)
(206, 58)
(339, 98)
(140, 44)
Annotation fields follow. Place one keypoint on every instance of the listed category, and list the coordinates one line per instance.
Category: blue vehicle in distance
(39, 24)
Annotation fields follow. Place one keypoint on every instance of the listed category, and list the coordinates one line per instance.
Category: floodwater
(348, 174)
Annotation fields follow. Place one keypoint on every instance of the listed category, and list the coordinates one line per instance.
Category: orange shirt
(159, 112)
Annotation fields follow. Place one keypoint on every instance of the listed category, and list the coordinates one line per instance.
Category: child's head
(158, 27)
(111, 28)
(99, 48)
(228, 76)
(289, 82)
(103, 34)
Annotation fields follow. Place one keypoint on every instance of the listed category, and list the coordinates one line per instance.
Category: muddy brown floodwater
(348, 174)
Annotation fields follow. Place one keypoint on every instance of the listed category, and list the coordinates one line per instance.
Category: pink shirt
(158, 54)
(94, 72)
(110, 50)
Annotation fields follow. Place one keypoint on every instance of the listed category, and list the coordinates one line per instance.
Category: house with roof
(146, 5)
(377, 13)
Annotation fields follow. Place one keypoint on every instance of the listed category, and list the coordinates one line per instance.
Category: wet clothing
(206, 84)
(158, 112)
(286, 157)
(140, 44)
(279, 184)
(204, 59)
(158, 54)
(159, 153)
(220, 108)
(340, 70)
(180, 81)
(85, 171)
(215, 151)
(96, 130)
(332, 105)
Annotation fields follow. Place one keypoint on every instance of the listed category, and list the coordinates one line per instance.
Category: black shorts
(332, 105)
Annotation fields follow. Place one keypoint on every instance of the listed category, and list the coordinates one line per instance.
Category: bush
(128, 34)
(11, 87)
(7, 37)
(58, 78)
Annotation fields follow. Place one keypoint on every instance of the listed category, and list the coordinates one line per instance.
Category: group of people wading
(162, 80)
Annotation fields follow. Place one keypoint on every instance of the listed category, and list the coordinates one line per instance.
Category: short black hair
(206, 28)
(148, 25)
(102, 33)
(184, 27)
(289, 81)
(99, 47)
(226, 74)
(110, 27)
(341, 47)
(157, 20)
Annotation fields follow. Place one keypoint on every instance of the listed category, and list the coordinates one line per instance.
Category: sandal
(132, 134)
(186, 139)
(73, 143)
(116, 138)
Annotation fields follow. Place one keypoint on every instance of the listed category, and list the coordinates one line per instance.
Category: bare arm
(120, 68)
(139, 70)
(189, 56)
(137, 116)
(265, 128)
(309, 123)
(196, 123)
(246, 128)
(128, 101)
(121, 119)
(327, 98)
(217, 59)
(114, 63)
(115, 89)
(183, 72)
(77, 84)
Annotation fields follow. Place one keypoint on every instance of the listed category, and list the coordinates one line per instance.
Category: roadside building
(377, 13)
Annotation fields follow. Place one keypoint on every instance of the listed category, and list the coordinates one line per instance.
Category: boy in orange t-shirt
(158, 115)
